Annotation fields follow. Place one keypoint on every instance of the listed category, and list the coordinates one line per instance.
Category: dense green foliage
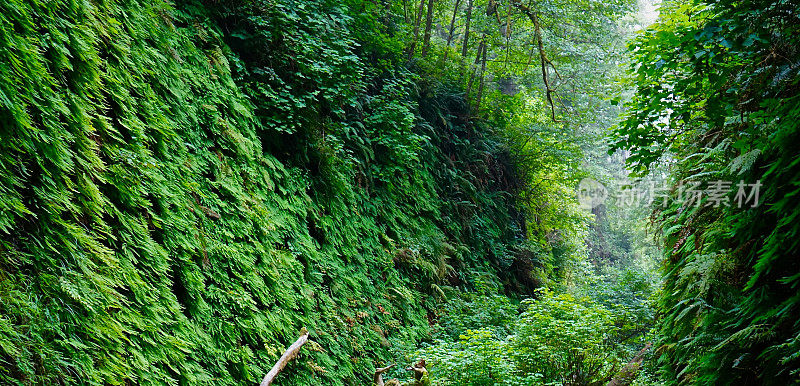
(183, 187)
(717, 99)
(578, 337)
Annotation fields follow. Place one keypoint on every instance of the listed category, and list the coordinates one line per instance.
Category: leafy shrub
(557, 339)
(566, 339)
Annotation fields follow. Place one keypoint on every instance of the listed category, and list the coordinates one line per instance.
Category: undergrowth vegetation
(186, 184)
(183, 186)
(584, 335)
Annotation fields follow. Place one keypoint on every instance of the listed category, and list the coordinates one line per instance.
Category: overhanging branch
(544, 61)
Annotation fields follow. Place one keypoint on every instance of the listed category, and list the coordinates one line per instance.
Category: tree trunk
(426, 43)
(413, 46)
(628, 373)
(508, 24)
(452, 27)
(480, 88)
(474, 68)
(465, 43)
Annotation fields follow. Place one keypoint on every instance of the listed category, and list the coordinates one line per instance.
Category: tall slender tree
(426, 43)
(452, 28)
(480, 86)
(465, 42)
(474, 68)
(413, 45)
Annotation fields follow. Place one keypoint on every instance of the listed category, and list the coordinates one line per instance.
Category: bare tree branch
(287, 356)
(377, 379)
(544, 61)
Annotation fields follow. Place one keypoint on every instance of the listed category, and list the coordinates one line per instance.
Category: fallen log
(628, 373)
(287, 356)
(377, 379)
(420, 374)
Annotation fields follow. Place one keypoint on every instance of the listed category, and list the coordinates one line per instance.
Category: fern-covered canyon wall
(730, 92)
(184, 186)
